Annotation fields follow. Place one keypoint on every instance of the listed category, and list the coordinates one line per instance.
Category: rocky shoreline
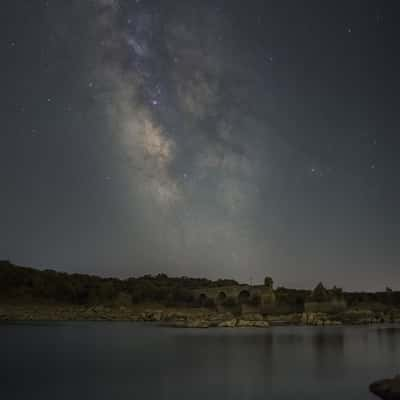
(387, 389)
(190, 318)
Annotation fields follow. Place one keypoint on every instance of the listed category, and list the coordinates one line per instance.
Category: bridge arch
(202, 299)
(221, 297)
(244, 297)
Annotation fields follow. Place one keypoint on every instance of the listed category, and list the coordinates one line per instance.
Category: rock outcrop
(152, 315)
(219, 320)
(231, 323)
(356, 316)
(191, 317)
(387, 389)
(243, 323)
(318, 319)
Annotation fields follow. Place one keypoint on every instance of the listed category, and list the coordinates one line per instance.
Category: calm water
(82, 360)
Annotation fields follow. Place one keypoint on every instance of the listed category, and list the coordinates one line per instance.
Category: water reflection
(233, 363)
(125, 361)
(328, 350)
(389, 337)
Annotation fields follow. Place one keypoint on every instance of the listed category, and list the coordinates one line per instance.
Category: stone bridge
(240, 293)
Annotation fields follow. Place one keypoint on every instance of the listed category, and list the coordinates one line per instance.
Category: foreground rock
(387, 389)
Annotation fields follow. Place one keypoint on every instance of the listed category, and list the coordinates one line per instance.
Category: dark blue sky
(214, 138)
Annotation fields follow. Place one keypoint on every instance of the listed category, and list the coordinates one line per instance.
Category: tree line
(29, 284)
(22, 284)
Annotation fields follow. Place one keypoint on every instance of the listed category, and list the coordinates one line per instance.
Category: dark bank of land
(31, 294)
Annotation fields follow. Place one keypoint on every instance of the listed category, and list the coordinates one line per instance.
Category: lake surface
(117, 360)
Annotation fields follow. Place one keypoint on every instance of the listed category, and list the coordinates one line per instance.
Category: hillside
(25, 285)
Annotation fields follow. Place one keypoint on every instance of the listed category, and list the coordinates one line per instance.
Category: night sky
(202, 138)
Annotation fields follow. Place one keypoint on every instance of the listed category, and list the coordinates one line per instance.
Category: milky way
(202, 138)
(197, 172)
